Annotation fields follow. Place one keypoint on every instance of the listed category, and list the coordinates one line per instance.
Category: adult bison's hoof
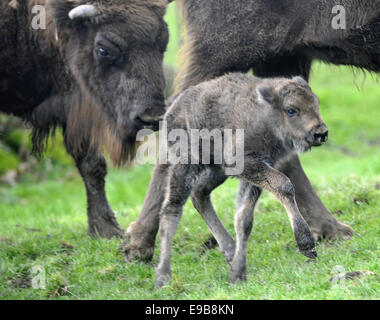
(137, 244)
(332, 230)
(104, 227)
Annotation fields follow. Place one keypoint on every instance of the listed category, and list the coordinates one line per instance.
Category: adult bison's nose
(321, 136)
(150, 118)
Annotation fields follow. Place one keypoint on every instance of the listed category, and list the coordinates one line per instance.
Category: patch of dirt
(59, 286)
(346, 151)
(360, 201)
(374, 142)
(22, 282)
(5, 239)
(339, 212)
(351, 275)
(67, 246)
(28, 229)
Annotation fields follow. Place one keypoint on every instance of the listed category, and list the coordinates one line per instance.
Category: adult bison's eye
(103, 52)
(291, 112)
(106, 53)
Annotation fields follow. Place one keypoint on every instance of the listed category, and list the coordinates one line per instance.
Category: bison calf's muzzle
(321, 136)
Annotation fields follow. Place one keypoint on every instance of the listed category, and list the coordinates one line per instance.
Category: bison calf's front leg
(179, 184)
(168, 226)
(264, 176)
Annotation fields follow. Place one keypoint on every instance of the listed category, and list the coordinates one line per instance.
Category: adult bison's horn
(83, 11)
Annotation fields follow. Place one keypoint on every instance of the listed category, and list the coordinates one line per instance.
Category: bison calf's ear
(266, 93)
(301, 81)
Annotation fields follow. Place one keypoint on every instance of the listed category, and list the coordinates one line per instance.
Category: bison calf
(279, 117)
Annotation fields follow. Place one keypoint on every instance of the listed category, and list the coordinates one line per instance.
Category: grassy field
(43, 222)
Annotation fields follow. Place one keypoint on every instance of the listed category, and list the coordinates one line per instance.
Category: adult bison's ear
(66, 11)
(266, 93)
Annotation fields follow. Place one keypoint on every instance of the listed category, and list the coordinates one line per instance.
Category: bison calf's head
(114, 50)
(298, 107)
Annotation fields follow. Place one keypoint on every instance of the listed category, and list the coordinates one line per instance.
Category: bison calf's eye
(291, 112)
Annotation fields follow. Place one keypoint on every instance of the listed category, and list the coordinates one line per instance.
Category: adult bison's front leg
(101, 219)
(322, 224)
(141, 234)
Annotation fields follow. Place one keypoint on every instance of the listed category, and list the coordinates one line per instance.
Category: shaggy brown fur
(73, 99)
(275, 37)
(100, 78)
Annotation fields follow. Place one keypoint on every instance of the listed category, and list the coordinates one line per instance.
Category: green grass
(345, 172)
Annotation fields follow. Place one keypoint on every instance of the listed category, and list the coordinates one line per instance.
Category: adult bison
(274, 38)
(93, 68)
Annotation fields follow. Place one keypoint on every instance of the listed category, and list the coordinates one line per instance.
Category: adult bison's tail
(45, 119)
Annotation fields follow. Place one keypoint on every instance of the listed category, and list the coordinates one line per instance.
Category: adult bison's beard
(88, 127)
(85, 128)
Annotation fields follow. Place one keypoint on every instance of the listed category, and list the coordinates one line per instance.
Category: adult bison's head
(114, 51)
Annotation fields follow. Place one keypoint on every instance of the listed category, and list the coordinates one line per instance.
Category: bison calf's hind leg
(101, 219)
(246, 200)
(206, 183)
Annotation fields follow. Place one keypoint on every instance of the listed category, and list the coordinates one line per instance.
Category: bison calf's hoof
(240, 276)
(162, 279)
(141, 254)
(305, 240)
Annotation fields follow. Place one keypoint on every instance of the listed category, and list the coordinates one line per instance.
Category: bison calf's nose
(320, 138)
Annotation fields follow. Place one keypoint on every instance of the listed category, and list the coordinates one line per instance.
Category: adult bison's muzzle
(150, 118)
(140, 115)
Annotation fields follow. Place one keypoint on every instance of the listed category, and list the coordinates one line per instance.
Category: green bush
(8, 160)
